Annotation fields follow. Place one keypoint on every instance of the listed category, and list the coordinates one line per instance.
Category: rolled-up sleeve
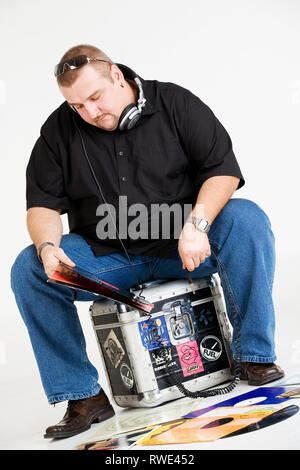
(208, 143)
(44, 179)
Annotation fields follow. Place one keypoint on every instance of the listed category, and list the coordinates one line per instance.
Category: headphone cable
(108, 208)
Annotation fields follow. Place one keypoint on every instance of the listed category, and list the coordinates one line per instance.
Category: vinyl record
(273, 418)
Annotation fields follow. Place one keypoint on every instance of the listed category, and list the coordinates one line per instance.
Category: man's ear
(117, 74)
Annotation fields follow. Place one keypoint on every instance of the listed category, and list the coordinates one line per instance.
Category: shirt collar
(150, 106)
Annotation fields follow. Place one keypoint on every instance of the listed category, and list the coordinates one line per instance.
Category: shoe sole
(97, 419)
(263, 382)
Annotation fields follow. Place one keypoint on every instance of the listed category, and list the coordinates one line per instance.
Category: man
(118, 135)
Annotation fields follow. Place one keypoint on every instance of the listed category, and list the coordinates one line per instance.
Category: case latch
(180, 320)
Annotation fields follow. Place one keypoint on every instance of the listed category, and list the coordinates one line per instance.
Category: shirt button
(124, 178)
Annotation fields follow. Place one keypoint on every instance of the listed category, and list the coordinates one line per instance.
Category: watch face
(202, 225)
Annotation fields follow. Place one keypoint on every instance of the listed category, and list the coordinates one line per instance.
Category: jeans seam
(230, 288)
(58, 397)
(235, 344)
(83, 347)
(121, 267)
(214, 243)
(259, 359)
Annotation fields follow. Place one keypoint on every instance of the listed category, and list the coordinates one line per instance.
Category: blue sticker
(154, 333)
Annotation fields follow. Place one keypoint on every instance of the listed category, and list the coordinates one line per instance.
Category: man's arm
(45, 225)
(214, 194)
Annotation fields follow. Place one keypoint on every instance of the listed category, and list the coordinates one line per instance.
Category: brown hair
(69, 77)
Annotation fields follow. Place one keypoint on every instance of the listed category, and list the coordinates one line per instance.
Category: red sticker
(189, 357)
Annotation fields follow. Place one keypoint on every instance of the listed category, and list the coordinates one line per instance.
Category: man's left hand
(193, 247)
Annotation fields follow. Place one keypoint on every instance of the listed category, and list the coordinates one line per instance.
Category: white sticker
(126, 375)
(211, 348)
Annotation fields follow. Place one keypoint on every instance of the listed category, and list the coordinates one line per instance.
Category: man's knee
(22, 265)
(246, 213)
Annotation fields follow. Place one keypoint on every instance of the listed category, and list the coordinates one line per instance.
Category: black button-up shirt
(177, 144)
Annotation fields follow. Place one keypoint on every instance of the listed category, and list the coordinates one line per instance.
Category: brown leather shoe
(260, 373)
(80, 415)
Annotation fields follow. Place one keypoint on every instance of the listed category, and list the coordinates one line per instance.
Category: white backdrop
(241, 57)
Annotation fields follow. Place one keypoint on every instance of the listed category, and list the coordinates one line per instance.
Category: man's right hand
(51, 256)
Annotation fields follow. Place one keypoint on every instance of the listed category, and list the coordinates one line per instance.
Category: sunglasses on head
(74, 63)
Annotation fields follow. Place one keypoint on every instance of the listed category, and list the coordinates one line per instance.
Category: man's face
(98, 100)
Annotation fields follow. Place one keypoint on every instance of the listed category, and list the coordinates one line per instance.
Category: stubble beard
(109, 126)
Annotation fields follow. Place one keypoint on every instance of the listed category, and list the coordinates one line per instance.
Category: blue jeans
(243, 241)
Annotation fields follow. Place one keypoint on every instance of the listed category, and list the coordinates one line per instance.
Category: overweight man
(116, 143)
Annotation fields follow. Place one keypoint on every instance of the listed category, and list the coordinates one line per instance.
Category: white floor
(25, 419)
(25, 413)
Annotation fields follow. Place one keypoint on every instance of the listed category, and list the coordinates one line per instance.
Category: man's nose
(93, 110)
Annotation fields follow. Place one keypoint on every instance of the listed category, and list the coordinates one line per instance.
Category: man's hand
(51, 256)
(193, 247)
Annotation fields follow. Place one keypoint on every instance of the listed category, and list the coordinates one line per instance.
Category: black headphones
(132, 113)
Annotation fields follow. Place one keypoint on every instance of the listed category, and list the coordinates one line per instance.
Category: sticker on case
(189, 357)
(162, 358)
(154, 333)
(126, 375)
(211, 348)
(113, 349)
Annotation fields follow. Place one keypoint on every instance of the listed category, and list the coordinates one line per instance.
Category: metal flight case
(186, 338)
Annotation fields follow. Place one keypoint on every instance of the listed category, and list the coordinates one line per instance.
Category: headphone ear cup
(124, 116)
(129, 117)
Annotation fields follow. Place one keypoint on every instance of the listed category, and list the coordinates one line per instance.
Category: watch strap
(196, 221)
(39, 250)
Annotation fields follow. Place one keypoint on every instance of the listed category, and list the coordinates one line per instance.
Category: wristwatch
(200, 223)
(41, 247)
